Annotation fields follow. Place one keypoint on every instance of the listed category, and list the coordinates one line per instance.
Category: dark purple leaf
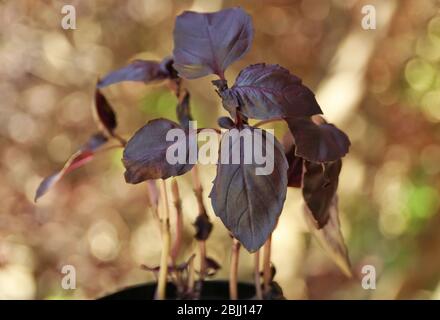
(295, 171)
(330, 237)
(104, 110)
(84, 155)
(183, 111)
(203, 227)
(207, 43)
(249, 204)
(270, 91)
(318, 142)
(320, 182)
(140, 70)
(145, 153)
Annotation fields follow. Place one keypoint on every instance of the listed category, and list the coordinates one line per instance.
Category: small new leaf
(249, 204)
(105, 113)
(145, 155)
(203, 227)
(207, 43)
(140, 70)
(84, 155)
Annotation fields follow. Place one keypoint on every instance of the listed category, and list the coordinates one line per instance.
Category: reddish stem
(257, 276)
(179, 222)
(233, 273)
(266, 266)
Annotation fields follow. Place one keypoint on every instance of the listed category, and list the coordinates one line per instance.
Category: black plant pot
(211, 290)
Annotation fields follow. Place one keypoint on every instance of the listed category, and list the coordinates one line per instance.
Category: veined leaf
(145, 155)
(207, 43)
(249, 204)
(267, 91)
(318, 142)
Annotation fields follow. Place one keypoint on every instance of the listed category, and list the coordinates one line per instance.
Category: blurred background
(380, 86)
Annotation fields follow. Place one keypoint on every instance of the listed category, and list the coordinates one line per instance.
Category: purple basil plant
(248, 204)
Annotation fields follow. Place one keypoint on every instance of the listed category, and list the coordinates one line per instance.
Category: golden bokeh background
(380, 86)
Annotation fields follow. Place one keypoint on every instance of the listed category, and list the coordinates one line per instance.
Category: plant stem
(266, 266)
(191, 276)
(202, 250)
(121, 140)
(179, 221)
(257, 276)
(198, 189)
(166, 239)
(176, 87)
(153, 199)
(233, 291)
